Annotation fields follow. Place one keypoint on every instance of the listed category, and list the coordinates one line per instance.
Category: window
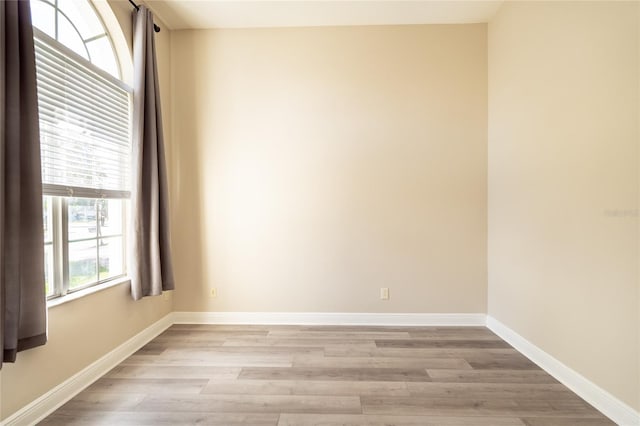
(85, 143)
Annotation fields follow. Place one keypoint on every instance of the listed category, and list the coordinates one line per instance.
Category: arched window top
(76, 24)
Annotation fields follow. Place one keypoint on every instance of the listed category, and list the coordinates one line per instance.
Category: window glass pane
(102, 55)
(43, 17)
(48, 269)
(111, 257)
(47, 218)
(83, 17)
(70, 37)
(82, 263)
(110, 215)
(82, 218)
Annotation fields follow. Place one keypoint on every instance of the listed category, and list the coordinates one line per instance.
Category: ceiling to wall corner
(201, 14)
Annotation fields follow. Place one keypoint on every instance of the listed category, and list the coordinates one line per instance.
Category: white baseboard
(602, 400)
(38, 409)
(329, 318)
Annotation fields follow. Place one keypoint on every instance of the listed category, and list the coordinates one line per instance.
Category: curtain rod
(155, 27)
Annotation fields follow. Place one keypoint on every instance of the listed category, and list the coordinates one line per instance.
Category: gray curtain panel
(23, 309)
(150, 264)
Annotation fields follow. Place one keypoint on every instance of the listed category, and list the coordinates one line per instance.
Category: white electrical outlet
(384, 293)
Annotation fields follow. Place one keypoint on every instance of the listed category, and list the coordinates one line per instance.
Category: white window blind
(84, 125)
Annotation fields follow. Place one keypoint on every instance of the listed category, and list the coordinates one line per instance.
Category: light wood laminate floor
(327, 375)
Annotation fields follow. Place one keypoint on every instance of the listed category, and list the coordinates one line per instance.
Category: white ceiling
(183, 14)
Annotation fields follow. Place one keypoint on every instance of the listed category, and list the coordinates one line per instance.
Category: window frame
(56, 10)
(60, 281)
(59, 196)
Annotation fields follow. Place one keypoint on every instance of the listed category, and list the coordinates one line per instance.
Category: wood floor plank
(397, 328)
(194, 340)
(566, 422)
(149, 386)
(360, 328)
(453, 334)
(349, 336)
(252, 403)
(173, 372)
(227, 327)
(241, 351)
(467, 353)
(171, 343)
(432, 343)
(336, 374)
(476, 407)
(541, 391)
(152, 348)
(161, 418)
(292, 341)
(491, 376)
(104, 401)
(380, 362)
(205, 358)
(500, 362)
(305, 387)
(400, 420)
(214, 333)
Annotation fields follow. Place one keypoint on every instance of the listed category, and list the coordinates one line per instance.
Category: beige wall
(563, 184)
(316, 165)
(83, 330)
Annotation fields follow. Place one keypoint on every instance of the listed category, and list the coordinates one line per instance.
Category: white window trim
(61, 300)
(60, 220)
(60, 246)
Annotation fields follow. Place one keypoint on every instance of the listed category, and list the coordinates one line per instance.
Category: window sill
(87, 291)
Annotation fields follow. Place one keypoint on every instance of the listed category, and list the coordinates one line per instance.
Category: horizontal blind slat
(57, 80)
(52, 120)
(61, 111)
